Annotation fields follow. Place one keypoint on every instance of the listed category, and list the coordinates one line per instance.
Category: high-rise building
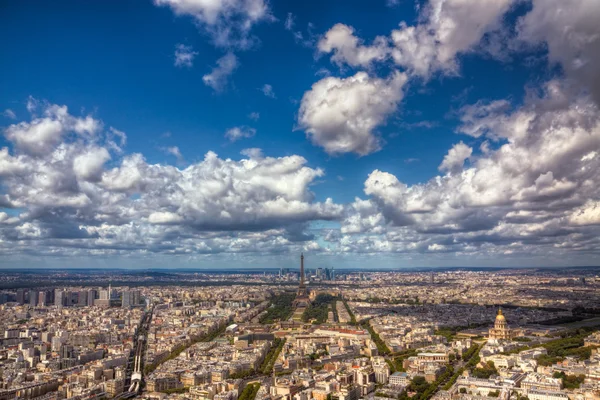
(70, 298)
(104, 295)
(126, 299)
(21, 296)
(33, 298)
(92, 295)
(320, 273)
(59, 298)
(137, 298)
(66, 351)
(42, 299)
(82, 298)
(130, 298)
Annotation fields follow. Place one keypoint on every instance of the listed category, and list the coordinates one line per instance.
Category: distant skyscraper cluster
(321, 274)
(82, 298)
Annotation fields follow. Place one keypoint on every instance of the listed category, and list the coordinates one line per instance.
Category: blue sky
(407, 133)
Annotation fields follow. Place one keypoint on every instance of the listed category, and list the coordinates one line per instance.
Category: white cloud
(8, 113)
(588, 214)
(341, 115)
(219, 75)
(254, 116)
(228, 22)
(32, 104)
(289, 21)
(71, 202)
(267, 90)
(349, 49)
(571, 32)
(164, 217)
(536, 193)
(42, 133)
(184, 56)
(252, 153)
(239, 132)
(446, 29)
(122, 137)
(174, 151)
(455, 159)
(89, 166)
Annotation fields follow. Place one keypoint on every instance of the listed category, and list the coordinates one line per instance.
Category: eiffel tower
(302, 299)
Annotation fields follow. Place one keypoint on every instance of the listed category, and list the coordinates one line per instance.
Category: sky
(240, 133)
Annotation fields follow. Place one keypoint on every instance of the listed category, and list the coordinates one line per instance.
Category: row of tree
(280, 309)
(176, 351)
(269, 362)
(318, 310)
(382, 348)
(249, 392)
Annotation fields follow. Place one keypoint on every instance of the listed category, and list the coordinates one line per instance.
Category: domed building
(501, 330)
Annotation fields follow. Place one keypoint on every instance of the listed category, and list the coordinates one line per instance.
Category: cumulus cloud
(81, 195)
(342, 114)
(349, 49)
(572, 36)
(254, 116)
(446, 28)
(184, 56)
(455, 159)
(219, 75)
(227, 22)
(89, 165)
(239, 132)
(536, 193)
(40, 134)
(588, 214)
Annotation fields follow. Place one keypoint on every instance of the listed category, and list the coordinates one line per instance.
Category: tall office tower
(104, 295)
(70, 298)
(20, 296)
(66, 351)
(319, 273)
(59, 298)
(33, 298)
(82, 298)
(42, 299)
(333, 273)
(126, 299)
(92, 294)
(137, 298)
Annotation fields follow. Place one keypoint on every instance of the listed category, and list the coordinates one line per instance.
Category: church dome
(500, 316)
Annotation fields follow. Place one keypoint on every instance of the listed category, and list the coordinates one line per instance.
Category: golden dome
(500, 316)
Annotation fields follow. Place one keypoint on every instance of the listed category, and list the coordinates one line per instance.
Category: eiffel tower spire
(302, 283)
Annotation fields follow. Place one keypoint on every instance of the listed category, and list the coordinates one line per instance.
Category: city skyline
(238, 134)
